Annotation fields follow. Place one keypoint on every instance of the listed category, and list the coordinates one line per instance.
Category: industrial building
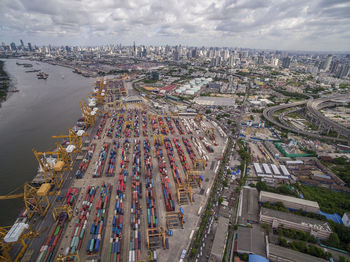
(283, 254)
(290, 202)
(218, 248)
(214, 101)
(250, 240)
(320, 229)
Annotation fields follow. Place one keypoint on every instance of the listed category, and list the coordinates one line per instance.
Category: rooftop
(251, 240)
(214, 101)
(292, 255)
(294, 218)
(218, 247)
(290, 199)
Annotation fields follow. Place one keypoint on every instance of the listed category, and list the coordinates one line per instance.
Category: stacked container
(98, 224)
(98, 168)
(85, 162)
(81, 223)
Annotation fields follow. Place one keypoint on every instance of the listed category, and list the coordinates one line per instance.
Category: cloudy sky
(276, 24)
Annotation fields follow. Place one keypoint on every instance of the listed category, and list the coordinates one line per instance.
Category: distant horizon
(311, 26)
(173, 45)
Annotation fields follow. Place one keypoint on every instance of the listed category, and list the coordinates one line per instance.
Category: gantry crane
(75, 138)
(73, 257)
(160, 137)
(59, 209)
(35, 199)
(198, 118)
(10, 236)
(193, 176)
(88, 114)
(53, 164)
(199, 163)
(130, 123)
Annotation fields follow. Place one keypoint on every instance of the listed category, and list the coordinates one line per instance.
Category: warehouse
(214, 101)
(267, 169)
(320, 229)
(218, 248)
(257, 168)
(275, 169)
(290, 202)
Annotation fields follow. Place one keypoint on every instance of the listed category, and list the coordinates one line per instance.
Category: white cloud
(276, 24)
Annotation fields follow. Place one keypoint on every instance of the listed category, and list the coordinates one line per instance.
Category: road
(313, 107)
(269, 115)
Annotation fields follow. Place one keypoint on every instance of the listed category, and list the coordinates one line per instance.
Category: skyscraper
(30, 47)
(22, 45)
(286, 62)
(13, 46)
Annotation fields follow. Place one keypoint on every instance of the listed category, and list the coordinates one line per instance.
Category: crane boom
(14, 196)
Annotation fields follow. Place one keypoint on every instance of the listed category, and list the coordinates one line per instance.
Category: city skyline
(313, 26)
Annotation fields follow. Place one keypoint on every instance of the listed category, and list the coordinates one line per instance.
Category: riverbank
(41, 109)
(4, 82)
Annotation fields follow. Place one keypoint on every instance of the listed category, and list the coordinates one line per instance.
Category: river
(28, 119)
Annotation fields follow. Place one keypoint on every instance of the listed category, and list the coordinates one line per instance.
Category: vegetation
(211, 199)
(291, 94)
(296, 234)
(149, 81)
(282, 189)
(341, 167)
(208, 111)
(4, 81)
(301, 246)
(330, 201)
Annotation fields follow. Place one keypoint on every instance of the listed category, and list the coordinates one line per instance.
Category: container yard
(138, 186)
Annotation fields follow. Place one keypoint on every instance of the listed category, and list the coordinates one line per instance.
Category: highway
(313, 107)
(269, 112)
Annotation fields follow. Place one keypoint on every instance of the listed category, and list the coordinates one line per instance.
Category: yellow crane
(11, 236)
(54, 163)
(59, 209)
(73, 257)
(35, 198)
(89, 116)
(75, 138)
(199, 163)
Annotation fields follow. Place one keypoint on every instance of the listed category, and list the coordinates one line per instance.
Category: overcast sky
(266, 24)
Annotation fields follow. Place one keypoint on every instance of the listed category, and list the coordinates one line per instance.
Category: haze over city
(314, 25)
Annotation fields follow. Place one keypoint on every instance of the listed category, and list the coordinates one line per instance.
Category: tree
(261, 186)
(333, 240)
(343, 259)
(282, 242)
(220, 107)
(221, 199)
(208, 111)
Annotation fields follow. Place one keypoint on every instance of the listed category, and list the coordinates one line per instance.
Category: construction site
(124, 184)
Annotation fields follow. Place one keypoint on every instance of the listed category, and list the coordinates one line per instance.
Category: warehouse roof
(218, 247)
(290, 199)
(292, 255)
(295, 218)
(251, 240)
(215, 101)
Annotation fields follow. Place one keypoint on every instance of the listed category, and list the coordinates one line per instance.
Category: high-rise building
(343, 71)
(155, 75)
(22, 44)
(286, 62)
(30, 47)
(327, 62)
(13, 46)
(275, 62)
(260, 60)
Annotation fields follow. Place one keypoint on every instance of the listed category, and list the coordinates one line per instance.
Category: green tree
(333, 240)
